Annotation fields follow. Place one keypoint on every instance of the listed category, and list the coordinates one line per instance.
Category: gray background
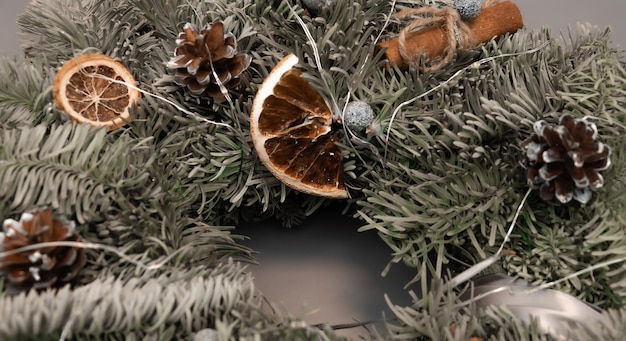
(325, 271)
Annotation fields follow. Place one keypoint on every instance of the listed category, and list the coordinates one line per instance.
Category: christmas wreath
(134, 136)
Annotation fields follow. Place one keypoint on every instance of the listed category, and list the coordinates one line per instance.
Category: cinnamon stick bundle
(493, 21)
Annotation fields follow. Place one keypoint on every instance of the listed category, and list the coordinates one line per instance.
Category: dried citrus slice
(292, 131)
(80, 90)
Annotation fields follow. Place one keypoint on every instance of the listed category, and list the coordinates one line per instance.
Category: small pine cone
(201, 56)
(566, 159)
(41, 268)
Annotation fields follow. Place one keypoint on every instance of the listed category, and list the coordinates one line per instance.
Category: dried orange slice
(292, 131)
(80, 91)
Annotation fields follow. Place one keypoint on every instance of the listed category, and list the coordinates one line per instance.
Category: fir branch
(72, 168)
(116, 307)
(57, 31)
(25, 92)
(594, 86)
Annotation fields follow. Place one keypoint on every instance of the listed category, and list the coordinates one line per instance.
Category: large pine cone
(44, 267)
(566, 159)
(206, 59)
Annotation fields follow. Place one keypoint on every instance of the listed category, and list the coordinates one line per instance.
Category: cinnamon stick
(493, 21)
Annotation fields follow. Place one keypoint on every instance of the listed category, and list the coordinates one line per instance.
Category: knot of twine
(457, 32)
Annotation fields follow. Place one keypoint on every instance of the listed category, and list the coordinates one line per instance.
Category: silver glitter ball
(468, 9)
(358, 116)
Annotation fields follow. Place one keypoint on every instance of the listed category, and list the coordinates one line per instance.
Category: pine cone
(43, 267)
(566, 159)
(201, 56)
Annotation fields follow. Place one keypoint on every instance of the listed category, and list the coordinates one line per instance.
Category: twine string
(457, 33)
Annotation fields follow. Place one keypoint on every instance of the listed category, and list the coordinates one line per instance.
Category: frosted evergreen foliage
(439, 185)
